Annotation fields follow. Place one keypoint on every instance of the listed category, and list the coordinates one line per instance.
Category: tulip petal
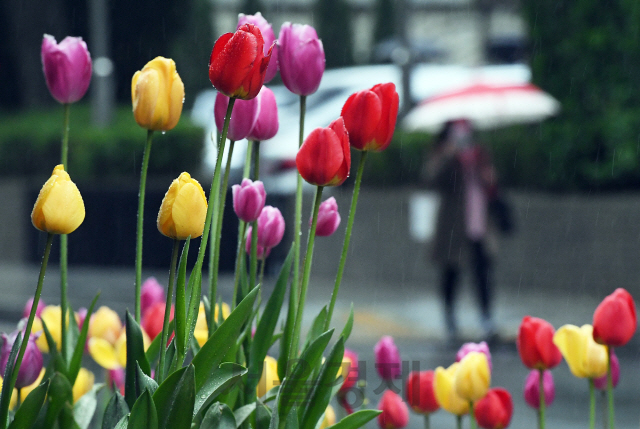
(189, 212)
(104, 353)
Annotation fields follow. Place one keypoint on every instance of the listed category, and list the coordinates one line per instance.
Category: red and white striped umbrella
(485, 105)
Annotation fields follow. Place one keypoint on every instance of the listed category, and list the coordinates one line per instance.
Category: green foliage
(335, 31)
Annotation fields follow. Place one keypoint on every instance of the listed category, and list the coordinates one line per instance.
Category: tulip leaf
(322, 391)
(153, 352)
(144, 382)
(170, 358)
(223, 339)
(287, 335)
(76, 359)
(85, 406)
(194, 289)
(263, 415)
(7, 388)
(219, 416)
(115, 411)
(65, 418)
(346, 331)
(144, 414)
(266, 326)
(242, 413)
(293, 389)
(72, 338)
(123, 423)
(356, 420)
(56, 362)
(28, 412)
(181, 305)
(220, 380)
(317, 327)
(271, 394)
(175, 399)
(135, 353)
(60, 393)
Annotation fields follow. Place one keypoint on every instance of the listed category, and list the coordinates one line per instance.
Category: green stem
(605, 423)
(592, 405)
(253, 261)
(143, 186)
(246, 171)
(459, 422)
(612, 423)
(472, 415)
(239, 264)
(298, 213)
(5, 401)
(19, 398)
(427, 421)
(542, 400)
(256, 160)
(347, 239)
(308, 257)
(64, 252)
(263, 262)
(167, 310)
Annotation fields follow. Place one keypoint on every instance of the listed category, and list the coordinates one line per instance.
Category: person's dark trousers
(481, 264)
(449, 283)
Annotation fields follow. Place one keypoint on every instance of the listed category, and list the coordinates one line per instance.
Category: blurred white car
(277, 156)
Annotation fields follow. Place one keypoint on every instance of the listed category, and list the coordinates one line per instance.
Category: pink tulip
(29, 304)
(388, 362)
(81, 315)
(270, 227)
(328, 218)
(266, 125)
(300, 57)
(243, 116)
(260, 251)
(248, 199)
(151, 293)
(467, 348)
(116, 378)
(269, 38)
(349, 371)
(67, 67)
(601, 382)
(395, 413)
(31, 361)
(532, 388)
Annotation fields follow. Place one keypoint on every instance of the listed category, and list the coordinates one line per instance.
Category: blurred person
(461, 172)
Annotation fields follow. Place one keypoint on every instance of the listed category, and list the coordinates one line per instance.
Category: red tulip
(269, 37)
(153, 319)
(325, 158)
(370, 117)
(614, 321)
(494, 411)
(535, 344)
(420, 394)
(238, 64)
(350, 368)
(395, 414)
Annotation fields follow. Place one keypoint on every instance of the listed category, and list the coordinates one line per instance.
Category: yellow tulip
(52, 316)
(269, 378)
(445, 393)
(183, 209)
(105, 323)
(473, 377)
(157, 94)
(329, 418)
(84, 383)
(59, 208)
(113, 356)
(201, 331)
(585, 357)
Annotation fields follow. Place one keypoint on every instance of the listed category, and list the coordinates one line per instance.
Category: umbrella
(485, 105)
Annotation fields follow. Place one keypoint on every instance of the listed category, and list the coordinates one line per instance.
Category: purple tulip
(260, 251)
(328, 218)
(601, 382)
(268, 36)
(532, 388)
(387, 356)
(270, 227)
(266, 125)
(67, 67)
(29, 304)
(31, 362)
(481, 347)
(243, 116)
(150, 293)
(248, 199)
(301, 58)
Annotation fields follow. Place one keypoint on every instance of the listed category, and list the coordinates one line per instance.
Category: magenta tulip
(300, 57)
(248, 199)
(270, 227)
(29, 304)
(81, 316)
(31, 361)
(266, 125)
(601, 382)
(269, 38)
(151, 293)
(328, 218)
(243, 116)
(261, 253)
(387, 356)
(67, 67)
(481, 347)
(532, 388)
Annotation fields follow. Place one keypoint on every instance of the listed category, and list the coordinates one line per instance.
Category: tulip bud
(445, 392)
(324, 159)
(266, 124)
(270, 227)
(421, 395)
(67, 67)
(238, 64)
(59, 208)
(329, 418)
(105, 323)
(243, 116)
(387, 357)
(269, 378)
(481, 347)
(494, 411)
(83, 384)
(614, 321)
(201, 331)
(585, 357)
(268, 37)
(370, 117)
(183, 209)
(301, 58)
(29, 304)
(473, 377)
(261, 252)
(395, 414)
(153, 319)
(328, 218)
(601, 382)
(150, 293)
(248, 199)
(535, 344)
(31, 361)
(532, 388)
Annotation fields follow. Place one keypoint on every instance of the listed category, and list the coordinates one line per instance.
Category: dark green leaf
(170, 357)
(85, 407)
(65, 418)
(76, 358)
(116, 410)
(56, 362)
(135, 353)
(123, 423)
(181, 305)
(175, 399)
(263, 415)
(219, 416)
(28, 411)
(317, 327)
(72, 338)
(356, 420)
(144, 382)
(287, 334)
(271, 394)
(346, 331)
(144, 414)
(222, 378)
(242, 413)
(59, 394)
